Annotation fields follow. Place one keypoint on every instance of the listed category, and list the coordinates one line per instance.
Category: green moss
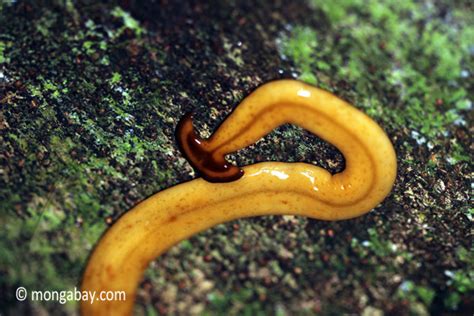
(412, 292)
(461, 282)
(302, 49)
(67, 151)
(3, 57)
(88, 47)
(458, 154)
(46, 22)
(116, 77)
(383, 49)
(376, 246)
(128, 21)
(242, 302)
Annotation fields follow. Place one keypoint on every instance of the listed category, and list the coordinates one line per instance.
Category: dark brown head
(205, 162)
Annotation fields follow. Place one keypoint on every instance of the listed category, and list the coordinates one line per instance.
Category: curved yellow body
(268, 188)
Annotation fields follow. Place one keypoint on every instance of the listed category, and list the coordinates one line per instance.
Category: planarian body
(268, 188)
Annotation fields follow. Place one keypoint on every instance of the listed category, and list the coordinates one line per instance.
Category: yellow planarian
(267, 188)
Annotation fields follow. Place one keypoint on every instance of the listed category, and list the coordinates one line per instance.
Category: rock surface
(90, 94)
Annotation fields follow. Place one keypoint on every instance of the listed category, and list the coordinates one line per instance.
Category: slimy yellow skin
(268, 188)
